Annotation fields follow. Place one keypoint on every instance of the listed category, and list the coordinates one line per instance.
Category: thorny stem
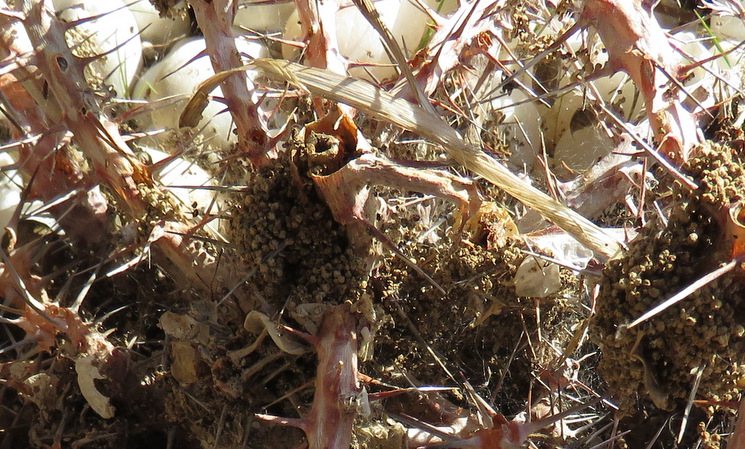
(215, 18)
(58, 85)
(318, 22)
(78, 106)
(449, 42)
(637, 45)
(338, 392)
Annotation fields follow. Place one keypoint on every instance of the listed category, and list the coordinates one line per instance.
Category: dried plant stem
(318, 22)
(382, 105)
(338, 392)
(452, 38)
(638, 45)
(54, 77)
(215, 18)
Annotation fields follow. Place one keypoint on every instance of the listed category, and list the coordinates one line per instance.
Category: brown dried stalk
(54, 77)
(215, 19)
(382, 105)
(43, 320)
(338, 393)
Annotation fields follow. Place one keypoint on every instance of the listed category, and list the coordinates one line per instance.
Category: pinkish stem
(637, 45)
(215, 18)
(63, 99)
(346, 190)
(318, 22)
(452, 38)
(338, 392)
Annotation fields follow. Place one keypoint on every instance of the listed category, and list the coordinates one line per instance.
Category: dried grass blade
(382, 105)
(699, 372)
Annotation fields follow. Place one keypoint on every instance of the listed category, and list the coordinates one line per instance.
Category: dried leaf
(537, 278)
(178, 326)
(256, 322)
(192, 114)
(87, 374)
(186, 362)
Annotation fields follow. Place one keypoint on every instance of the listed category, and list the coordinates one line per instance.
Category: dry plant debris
(704, 332)
(523, 228)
